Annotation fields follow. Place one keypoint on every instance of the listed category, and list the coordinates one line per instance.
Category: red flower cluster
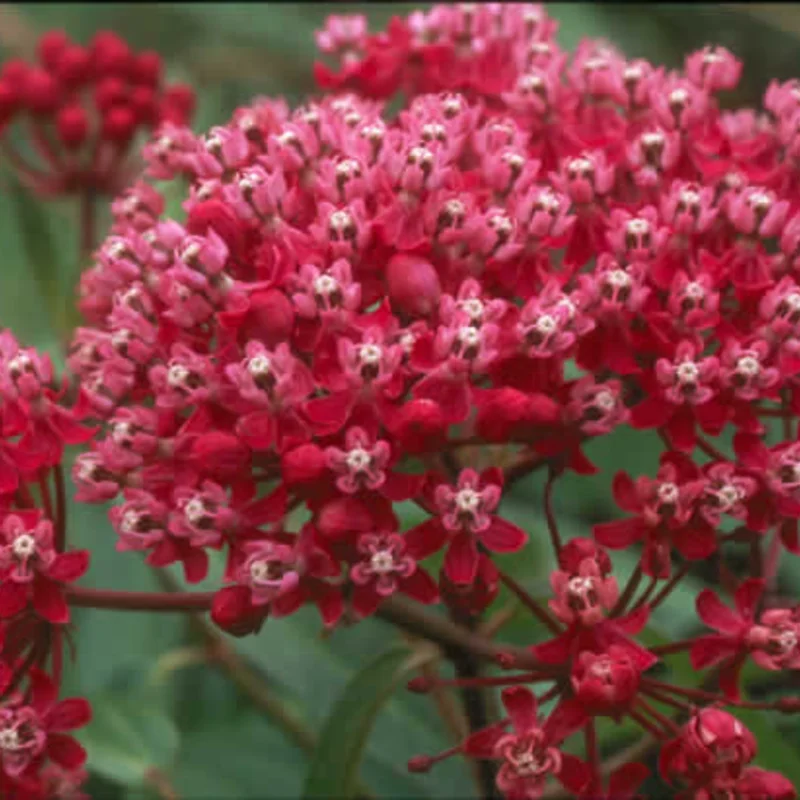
(37, 760)
(539, 248)
(83, 107)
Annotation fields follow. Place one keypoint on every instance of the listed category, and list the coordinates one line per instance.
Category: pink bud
(413, 284)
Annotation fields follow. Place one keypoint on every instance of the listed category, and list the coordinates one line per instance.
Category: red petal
(74, 712)
(747, 597)
(49, 601)
(696, 542)
(708, 650)
(328, 414)
(13, 598)
(619, 534)
(399, 486)
(421, 587)
(330, 604)
(365, 600)
(453, 396)
(626, 780)
(481, 744)
(68, 567)
(65, 751)
(634, 622)
(729, 678)
(267, 509)
(717, 615)
(625, 494)
(566, 718)
(195, 565)
(750, 450)
(425, 539)
(650, 413)
(574, 773)
(44, 691)
(461, 559)
(681, 430)
(503, 537)
(257, 430)
(554, 651)
(522, 708)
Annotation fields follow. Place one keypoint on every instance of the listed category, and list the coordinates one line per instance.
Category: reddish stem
(552, 525)
(668, 588)
(45, 490)
(710, 450)
(592, 756)
(139, 601)
(672, 647)
(529, 603)
(630, 589)
(61, 509)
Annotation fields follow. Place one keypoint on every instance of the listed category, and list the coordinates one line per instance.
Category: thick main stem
(468, 669)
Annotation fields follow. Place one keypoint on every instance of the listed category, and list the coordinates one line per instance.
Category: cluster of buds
(81, 109)
(538, 249)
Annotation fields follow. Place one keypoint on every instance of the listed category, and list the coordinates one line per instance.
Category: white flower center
(24, 546)
(358, 459)
(694, 291)
(382, 562)
(469, 336)
(748, 366)
(339, 220)
(546, 324)
(678, 96)
(605, 400)
(259, 570)
(618, 278)
(130, 521)
(687, 372)
(652, 139)
(190, 252)
(195, 510)
(793, 301)
(177, 374)
(729, 496)
(325, 285)
(259, 365)
(467, 500)
(760, 201)
(638, 227)
(370, 354)
(668, 493)
(473, 308)
(9, 739)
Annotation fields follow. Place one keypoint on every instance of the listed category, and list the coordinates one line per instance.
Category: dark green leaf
(128, 735)
(336, 761)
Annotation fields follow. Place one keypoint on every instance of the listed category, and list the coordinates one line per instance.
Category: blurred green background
(157, 703)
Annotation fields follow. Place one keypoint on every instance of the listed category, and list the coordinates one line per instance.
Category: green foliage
(335, 765)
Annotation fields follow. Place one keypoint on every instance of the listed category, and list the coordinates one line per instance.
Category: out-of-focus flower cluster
(79, 109)
(539, 248)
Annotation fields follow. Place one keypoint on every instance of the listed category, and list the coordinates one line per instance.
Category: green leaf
(335, 764)
(776, 751)
(227, 760)
(128, 735)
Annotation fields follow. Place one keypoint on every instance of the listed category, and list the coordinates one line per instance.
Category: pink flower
(32, 572)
